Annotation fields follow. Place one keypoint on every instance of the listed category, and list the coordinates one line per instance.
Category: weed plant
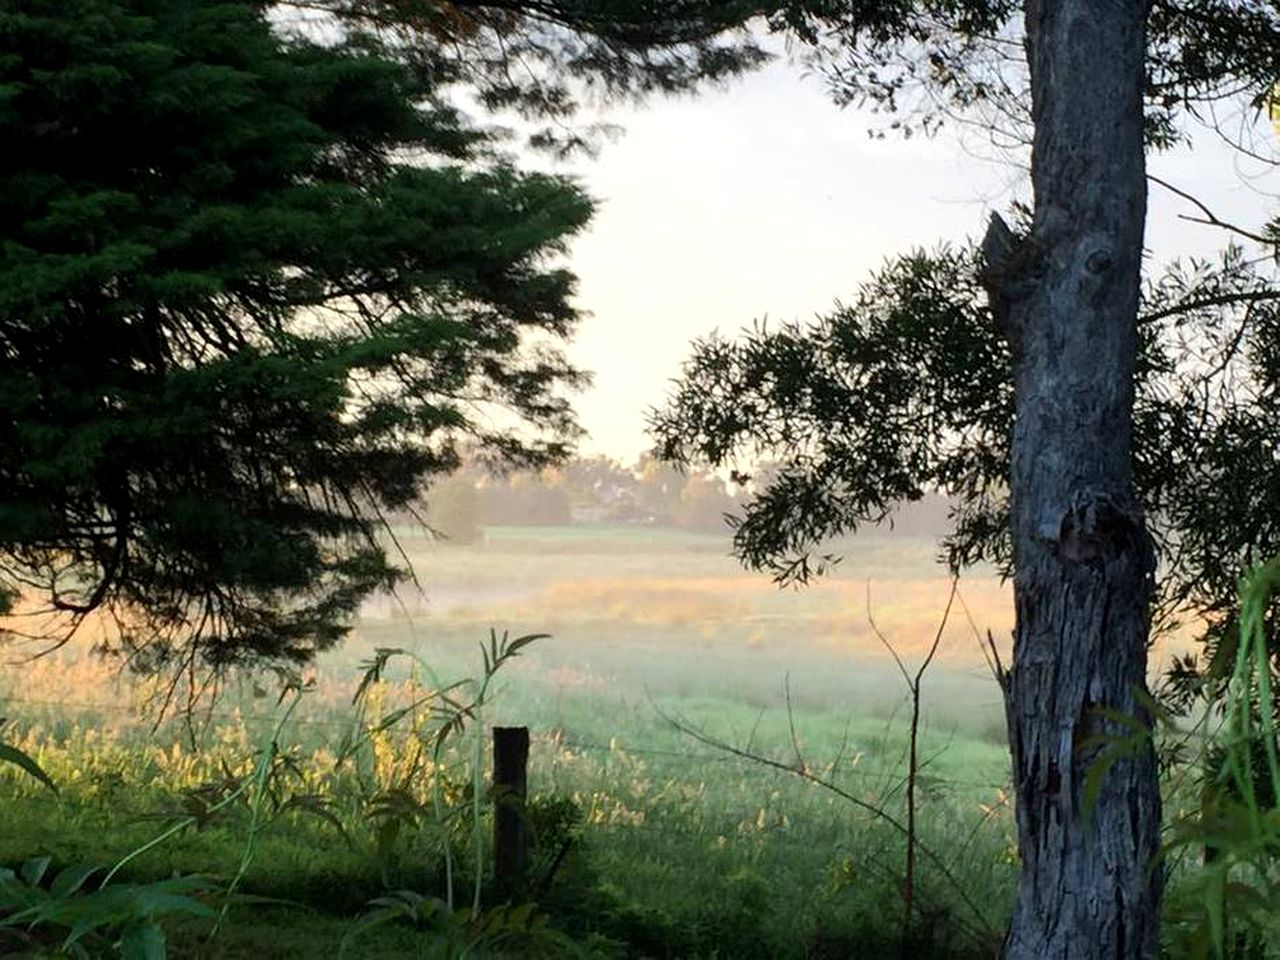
(1227, 906)
(646, 843)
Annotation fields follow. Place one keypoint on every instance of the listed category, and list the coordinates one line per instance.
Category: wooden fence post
(510, 786)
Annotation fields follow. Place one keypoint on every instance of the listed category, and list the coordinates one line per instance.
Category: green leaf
(516, 645)
(32, 871)
(10, 754)
(1215, 905)
(144, 941)
(518, 917)
(317, 806)
(70, 879)
(153, 901)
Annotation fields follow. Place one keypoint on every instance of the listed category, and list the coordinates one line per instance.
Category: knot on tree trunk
(1097, 526)
(1012, 267)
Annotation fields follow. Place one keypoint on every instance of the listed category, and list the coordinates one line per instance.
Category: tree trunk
(1068, 297)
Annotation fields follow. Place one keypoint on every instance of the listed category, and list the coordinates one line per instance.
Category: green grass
(685, 850)
(680, 849)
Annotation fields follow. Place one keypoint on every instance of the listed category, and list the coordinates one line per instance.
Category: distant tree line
(585, 491)
(602, 491)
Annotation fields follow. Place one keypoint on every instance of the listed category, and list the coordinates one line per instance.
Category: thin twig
(880, 814)
(791, 722)
(1221, 300)
(885, 640)
(1210, 219)
(913, 766)
(755, 726)
(987, 645)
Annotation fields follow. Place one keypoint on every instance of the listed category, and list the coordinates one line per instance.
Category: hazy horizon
(763, 199)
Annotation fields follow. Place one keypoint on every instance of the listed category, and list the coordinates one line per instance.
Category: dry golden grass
(666, 597)
(66, 676)
(708, 597)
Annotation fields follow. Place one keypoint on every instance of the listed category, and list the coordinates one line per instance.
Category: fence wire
(686, 758)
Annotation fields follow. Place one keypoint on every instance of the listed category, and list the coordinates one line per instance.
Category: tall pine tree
(252, 293)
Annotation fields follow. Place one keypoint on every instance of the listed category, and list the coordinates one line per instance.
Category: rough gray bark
(1067, 296)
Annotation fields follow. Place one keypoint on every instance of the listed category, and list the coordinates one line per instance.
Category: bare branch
(902, 668)
(1210, 218)
(878, 813)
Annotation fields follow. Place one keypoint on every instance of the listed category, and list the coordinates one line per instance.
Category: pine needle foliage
(254, 291)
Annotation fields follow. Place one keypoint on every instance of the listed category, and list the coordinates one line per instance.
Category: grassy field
(663, 845)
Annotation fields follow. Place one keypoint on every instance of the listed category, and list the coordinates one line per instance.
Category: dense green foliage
(908, 390)
(252, 292)
(921, 60)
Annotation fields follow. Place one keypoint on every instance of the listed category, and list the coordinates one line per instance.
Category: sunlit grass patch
(641, 625)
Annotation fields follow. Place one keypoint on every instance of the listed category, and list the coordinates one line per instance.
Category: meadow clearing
(649, 841)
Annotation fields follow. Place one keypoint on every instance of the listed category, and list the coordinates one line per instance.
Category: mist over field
(705, 729)
(641, 611)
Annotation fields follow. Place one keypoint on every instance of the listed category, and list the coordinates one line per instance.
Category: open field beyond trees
(648, 841)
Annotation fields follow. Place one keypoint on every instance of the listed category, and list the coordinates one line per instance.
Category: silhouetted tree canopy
(908, 390)
(920, 61)
(252, 293)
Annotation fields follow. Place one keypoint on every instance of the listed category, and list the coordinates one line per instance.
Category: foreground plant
(9, 754)
(124, 919)
(450, 934)
(121, 920)
(1239, 824)
(436, 713)
(115, 920)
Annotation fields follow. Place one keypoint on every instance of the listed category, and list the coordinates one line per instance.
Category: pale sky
(766, 199)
